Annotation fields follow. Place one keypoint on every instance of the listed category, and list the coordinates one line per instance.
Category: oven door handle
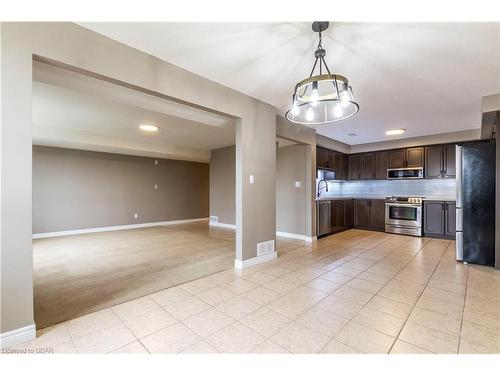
(403, 205)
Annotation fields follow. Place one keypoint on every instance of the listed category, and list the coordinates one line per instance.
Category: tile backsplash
(423, 187)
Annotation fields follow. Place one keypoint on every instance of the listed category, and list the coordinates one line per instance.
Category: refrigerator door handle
(458, 178)
(460, 246)
(459, 219)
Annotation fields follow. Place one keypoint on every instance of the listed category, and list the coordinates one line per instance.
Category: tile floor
(354, 292)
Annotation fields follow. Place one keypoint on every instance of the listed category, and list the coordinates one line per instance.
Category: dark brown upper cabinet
(415, 157)
(332, 160)
(406, 158)
(449, 161)
(322, 157)
(381, 164)
(440, 161)
(367, 166)
(354, 167)
(345, 167)
(397, 158)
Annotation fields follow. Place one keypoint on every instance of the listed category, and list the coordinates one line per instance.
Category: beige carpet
(75, 275)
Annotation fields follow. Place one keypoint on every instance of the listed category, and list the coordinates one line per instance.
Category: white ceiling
(428, 77)
(73, 110)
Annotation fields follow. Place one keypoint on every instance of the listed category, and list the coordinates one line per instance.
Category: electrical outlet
(297, 184)
(136, 215)
(156, 187)
(251, 179)
(156, 162)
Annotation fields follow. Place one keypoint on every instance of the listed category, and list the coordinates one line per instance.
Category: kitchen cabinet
(367, 166)
(322, 157)
(377, 214)
(397, 158)
(406, 158)
(381, 160)
(332, 160)
(414, 157)
(354, 167)
(450, 226)
(434, 161)
(440, 161)
(369, 214)
(439, 219)
(338, 216)
(348, 213)
(449, 161)
(362, 213)
(344, 167)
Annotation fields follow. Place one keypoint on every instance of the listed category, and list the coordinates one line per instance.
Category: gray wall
(292, 203)
(222, 184)
(75, 189)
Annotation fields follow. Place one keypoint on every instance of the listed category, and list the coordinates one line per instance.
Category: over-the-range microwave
(405, 173)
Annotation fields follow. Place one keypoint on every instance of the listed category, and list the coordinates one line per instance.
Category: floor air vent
(264, 248)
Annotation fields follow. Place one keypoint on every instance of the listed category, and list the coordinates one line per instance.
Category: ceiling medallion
(322, 98)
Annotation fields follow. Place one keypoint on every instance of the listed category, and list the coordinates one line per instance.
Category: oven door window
(403, 213)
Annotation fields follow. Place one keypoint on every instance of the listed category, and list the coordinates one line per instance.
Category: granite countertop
(333, 197)
(428, 198)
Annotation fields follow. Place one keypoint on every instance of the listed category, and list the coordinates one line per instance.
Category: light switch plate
(156, 187)
(251, 179)
(297, 184)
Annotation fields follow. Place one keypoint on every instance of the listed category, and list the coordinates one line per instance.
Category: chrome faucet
(319, 187)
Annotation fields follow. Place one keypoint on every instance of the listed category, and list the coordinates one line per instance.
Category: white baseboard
(17, 336)
(114, 227)
(240, 264)
(295, 236)
(222, 225)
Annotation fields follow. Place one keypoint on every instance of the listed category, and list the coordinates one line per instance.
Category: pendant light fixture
(324, 97)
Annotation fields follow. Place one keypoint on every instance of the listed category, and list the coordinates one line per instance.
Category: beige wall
(222, 184)
(292, 202)
(307, 136)
(75, 189)
(71, 46)
(222, 188)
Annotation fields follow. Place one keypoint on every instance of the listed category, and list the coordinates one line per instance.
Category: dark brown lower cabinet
(439, 219)
(341, 215)
(362, 213)
(349, 213)
(338, 212)
(450, 226)
(377, 214)
(369, 214)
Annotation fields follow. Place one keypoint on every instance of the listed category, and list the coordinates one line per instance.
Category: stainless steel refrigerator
(475, 202)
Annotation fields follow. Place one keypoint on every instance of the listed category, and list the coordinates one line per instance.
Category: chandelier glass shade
(322, 98)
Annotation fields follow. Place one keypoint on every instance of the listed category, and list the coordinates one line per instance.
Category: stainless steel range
(403, 215)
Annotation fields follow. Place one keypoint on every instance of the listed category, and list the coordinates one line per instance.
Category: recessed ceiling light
(352, 134)
(148, 128)
(395, 132)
